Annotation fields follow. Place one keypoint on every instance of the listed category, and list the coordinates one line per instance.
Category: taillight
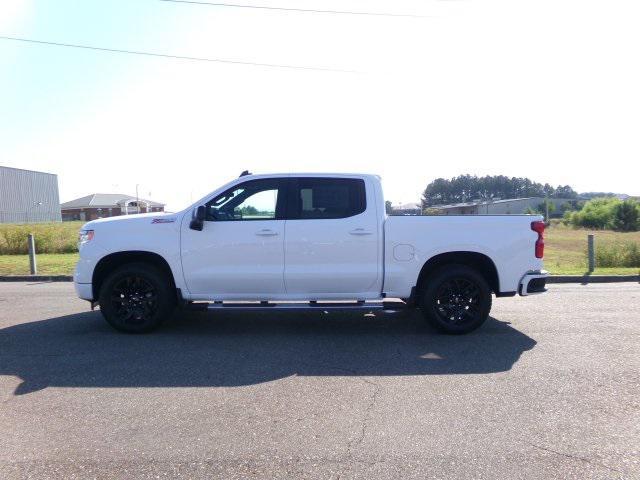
(538, 227)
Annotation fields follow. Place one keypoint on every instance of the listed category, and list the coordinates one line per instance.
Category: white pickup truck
(306, 241)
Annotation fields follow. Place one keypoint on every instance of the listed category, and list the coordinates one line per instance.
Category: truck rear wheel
(136, 298)
(455, 299)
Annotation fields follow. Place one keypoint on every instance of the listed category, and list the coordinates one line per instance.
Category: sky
(542, 89)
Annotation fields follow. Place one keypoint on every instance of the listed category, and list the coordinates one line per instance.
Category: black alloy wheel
(458, 301)
(137, 298)
(134, 300)
(455, 299)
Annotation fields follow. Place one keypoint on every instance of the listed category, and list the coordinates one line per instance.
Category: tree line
(465, 188)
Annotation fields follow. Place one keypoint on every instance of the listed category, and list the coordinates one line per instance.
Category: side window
(253, 200)
(319, 198)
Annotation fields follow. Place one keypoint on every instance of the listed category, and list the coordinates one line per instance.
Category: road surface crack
(366, 417)
(573, 457)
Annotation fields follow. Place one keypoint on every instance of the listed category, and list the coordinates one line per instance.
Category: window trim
(294, 213)
(279, 183)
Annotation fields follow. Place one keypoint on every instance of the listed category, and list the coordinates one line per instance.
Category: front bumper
(533, 283)
(84, 290)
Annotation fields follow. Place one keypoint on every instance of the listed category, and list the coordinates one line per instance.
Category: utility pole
(137, 200)
(546, 207)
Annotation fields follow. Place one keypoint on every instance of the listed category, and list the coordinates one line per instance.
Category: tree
(625, 216)
(431, 211)
(248, 210)
(596, 213)
(437, 193)
(565, 191)
(567, 207)
(546, 206)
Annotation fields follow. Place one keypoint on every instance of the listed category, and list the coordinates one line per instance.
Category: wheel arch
(478, 261)
(109, 263)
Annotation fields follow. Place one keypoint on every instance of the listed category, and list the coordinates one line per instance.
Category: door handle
(360, 231)
(266, 232)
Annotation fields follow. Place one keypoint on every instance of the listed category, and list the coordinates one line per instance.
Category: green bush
(606, 213)
(49, 237)
(618, 255)
(625, 216)
(431, 211)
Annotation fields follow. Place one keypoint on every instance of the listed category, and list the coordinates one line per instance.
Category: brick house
(101, 205)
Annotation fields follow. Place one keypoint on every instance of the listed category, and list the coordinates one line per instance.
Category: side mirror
(197, 222)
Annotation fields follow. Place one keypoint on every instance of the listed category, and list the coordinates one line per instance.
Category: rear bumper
(533, 283)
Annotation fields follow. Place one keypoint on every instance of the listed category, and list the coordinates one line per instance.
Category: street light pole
(546, 205)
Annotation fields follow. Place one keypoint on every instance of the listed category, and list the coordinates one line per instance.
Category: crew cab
(306, 241)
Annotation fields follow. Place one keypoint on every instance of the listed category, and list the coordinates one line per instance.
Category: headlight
(85, 236)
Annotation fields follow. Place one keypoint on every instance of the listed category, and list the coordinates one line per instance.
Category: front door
(240, 251)
(332, 237)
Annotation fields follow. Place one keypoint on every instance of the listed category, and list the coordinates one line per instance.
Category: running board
(301, 306)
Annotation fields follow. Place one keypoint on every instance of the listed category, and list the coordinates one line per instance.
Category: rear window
(318, 198)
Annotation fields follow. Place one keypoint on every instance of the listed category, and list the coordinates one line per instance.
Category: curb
(592, 278)
(550, 278)
(36, 278)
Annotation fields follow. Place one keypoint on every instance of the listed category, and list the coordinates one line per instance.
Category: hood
(137, 218)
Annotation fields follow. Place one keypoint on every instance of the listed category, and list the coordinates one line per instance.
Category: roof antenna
(245, 173)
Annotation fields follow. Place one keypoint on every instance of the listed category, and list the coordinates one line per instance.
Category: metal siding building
(28, 197)
(509, 206)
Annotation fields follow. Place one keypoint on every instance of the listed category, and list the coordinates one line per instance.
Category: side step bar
(299, 306)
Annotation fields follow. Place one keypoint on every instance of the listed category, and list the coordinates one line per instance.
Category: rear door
(331, 241)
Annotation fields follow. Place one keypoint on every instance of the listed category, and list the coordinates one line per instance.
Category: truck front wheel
(136, 298)
(455, 299)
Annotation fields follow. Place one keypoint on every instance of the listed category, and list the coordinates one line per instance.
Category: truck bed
(505, 239)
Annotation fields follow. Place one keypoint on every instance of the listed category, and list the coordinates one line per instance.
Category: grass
(565, 253)
(565, 250)
(48, 264)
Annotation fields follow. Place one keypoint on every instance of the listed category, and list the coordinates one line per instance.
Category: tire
(137, 298)
(456, 299)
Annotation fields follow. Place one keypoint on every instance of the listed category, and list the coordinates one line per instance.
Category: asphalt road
(549, 387)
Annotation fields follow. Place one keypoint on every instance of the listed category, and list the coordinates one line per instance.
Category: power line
(264, 7)
(179, 57)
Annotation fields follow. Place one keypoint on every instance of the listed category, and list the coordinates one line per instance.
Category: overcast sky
(543, 89)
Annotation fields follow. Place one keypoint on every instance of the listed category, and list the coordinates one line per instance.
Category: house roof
(483, 202)
(26, 170)
(106, 200)
(408, 206)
